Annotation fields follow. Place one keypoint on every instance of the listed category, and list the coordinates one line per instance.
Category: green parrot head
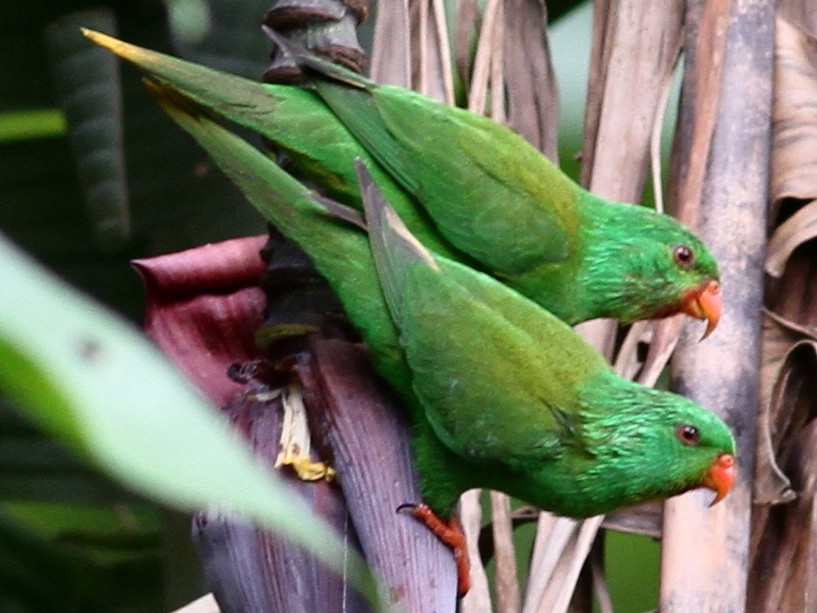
(639, 443)
(648, 266)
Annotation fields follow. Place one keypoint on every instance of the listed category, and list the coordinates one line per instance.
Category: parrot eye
(684, 256)
(688, 435)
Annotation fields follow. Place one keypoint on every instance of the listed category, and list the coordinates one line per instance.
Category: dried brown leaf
(506, 586)
(644, 37)
(497, 77)
(796, 230)
(601, 333)
(531, 92)
(553, 535)
(784, 569)
(597, 77)
(664, 340)
(560, 587)
(478, 599)
(791, 406)
(644, 519)
(466, 27)
(704, 50)
(480, 79)
(771, 485)
(627, 364)
(800, 12)
(794, 151)
(391, 49)
(791, 300)
(600, 584)
(431, 62)
(444, 55)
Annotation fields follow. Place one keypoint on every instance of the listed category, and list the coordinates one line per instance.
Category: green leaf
(97, 384)
(89, 93)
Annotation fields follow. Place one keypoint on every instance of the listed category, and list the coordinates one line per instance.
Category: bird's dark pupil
(689, 434)
(683, 255)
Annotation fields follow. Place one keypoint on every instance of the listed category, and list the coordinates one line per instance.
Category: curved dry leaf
(779, 534)
(791, 300)
(791, 405)
(800, 12)
(497, 77)
(627, 362)
(664, 339)
(597, 76)
(796, 230)
(643, 519)
(600, 584)
(655, 148)
(794, 115)
(771, 485)
(784, 567)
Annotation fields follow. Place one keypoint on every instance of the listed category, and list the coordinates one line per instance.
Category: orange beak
(720, 476)
(705, 304)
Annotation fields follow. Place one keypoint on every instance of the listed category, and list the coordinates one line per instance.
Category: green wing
(489, 192)
(482, 357)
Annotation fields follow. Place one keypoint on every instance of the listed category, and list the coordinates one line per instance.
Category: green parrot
(501, 393)
(508, 397)
(467, 187)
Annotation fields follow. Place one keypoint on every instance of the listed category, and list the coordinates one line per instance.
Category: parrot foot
(450, 534)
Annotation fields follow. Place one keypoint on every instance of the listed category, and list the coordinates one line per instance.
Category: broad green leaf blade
(98, 384)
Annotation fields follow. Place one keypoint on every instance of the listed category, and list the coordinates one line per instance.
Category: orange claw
(450, 534)
(705, 304)
(720, 476)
